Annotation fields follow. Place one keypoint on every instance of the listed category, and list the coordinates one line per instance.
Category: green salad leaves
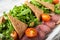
(40, 6)
(5, 29)
(24, 14)
(50, 1)
(57, 8)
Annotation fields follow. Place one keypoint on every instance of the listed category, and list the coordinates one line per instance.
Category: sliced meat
(38, 28)
(46, 4)
(2, 19)
(55, 17)
(44, 28)
(18, 25)
(36, 11)
(36, 38)
(42, 35)
(26, 38)
(58, 22)
(50, 24)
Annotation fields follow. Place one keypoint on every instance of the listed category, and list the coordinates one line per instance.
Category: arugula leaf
(23, 13)
(50, 1)
(40, 6)
(57, 8)
(5, 29)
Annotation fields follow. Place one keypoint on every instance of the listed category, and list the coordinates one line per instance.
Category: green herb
(5, 29)
(50, 1)
(40, 6)
(57, 8)
(24, 14)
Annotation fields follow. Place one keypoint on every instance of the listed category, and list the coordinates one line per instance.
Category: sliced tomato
(55, 1)
(31, 32)
(14, 34)
(45, 17)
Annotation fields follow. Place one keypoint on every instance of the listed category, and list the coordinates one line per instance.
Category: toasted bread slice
(19, 26)
(46, 4)
(36, 11)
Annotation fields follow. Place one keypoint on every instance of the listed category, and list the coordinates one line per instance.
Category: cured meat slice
(46, 4)
(18, 25)
(36, 11)
(55, 18)
(50, 24)
(42, 35)
(44, 28)
(27, 38)
(58, 22)
(37, 28)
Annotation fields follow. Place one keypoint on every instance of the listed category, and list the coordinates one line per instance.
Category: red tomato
(14, 34)
(55, 1)
(45, 17)
(31, 32)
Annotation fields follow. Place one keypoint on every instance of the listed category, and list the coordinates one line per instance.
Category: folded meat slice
(34, 38)
(50, 24)
(2, 19)
(55, 17)
(46, 4)
(42, 35)
(44, 28)
(25, 38)
(36, 11)
(37, 28)
(58, 22)
(18, 25)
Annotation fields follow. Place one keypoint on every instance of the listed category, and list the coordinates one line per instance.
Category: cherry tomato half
(55, 1)
(31, 32)
(45, 17)
(14, 34)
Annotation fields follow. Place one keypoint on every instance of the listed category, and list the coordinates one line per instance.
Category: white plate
(6, 5)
